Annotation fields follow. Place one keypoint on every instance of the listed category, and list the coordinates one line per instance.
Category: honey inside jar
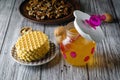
(73, 30)
(77, 50)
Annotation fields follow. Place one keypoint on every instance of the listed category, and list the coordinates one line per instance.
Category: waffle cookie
(32, 46)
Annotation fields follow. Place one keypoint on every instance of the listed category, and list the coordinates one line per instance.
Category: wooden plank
(116, 5)
(58, 69)
(51, 70)
(106, 62)
(10, 70)
(6, 8)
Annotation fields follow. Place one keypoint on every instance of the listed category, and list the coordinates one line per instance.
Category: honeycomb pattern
(32, 46)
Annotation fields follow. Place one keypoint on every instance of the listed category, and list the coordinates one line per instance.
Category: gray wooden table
(106, 64)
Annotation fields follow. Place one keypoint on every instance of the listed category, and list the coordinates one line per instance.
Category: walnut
(60, 34)
(51, 9)
(109, 17)
(25, 29)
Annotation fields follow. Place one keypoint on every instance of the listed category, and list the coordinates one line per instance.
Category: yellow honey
(32, 46)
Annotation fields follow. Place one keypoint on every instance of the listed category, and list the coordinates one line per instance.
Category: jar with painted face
(82, 36)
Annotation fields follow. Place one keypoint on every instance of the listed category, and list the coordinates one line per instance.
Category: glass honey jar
(75, 49)
(81, 37)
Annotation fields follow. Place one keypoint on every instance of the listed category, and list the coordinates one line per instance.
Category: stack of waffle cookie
(32, 46)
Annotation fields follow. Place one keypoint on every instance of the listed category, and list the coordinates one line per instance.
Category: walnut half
(47, 9)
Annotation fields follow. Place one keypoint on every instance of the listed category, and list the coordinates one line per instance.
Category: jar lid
(87, 28)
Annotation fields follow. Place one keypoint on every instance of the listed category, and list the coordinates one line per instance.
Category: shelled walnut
(48, 9)
(60, 34)
(109, 17)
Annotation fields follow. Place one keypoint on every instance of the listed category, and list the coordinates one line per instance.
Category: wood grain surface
(106, 62)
